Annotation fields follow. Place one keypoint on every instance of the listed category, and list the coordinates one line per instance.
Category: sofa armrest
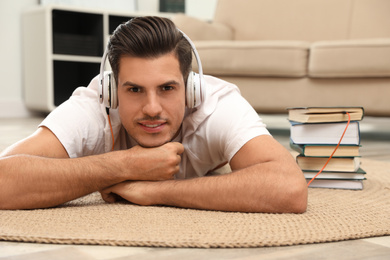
(200, 30)
(350, 58)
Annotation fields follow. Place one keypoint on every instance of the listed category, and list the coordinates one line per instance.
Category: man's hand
(132, 191)
(153, 164)
(146, 166)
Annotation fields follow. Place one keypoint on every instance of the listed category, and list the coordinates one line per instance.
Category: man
(153, 149)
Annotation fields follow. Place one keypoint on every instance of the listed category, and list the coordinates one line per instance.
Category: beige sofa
(284, 53)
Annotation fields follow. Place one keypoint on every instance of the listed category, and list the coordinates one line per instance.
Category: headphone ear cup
(113, 92)
(105, 93)
(193, 90)
(197, 90)
(109, 91)
(190, 90)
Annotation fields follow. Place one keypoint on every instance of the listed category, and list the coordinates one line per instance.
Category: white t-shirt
(211, 134)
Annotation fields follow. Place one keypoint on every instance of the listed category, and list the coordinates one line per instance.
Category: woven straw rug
(332, 215)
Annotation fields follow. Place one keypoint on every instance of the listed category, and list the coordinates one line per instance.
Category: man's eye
(135, 89)
(165, 88)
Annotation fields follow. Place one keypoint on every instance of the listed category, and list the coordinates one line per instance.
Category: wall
(101, 4)
(11, 87)
(11, 101)
(203, 9)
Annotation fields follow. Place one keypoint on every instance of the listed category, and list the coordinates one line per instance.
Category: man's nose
(152, 106)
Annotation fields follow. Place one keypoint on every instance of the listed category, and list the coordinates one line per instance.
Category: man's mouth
(152, 127)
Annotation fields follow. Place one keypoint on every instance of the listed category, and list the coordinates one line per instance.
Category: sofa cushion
(254, 58)
(354, 58)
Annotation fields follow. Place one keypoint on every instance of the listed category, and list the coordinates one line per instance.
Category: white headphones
(195, 88)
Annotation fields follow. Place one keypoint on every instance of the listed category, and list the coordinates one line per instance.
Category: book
(324, 114)
(325, 150)
(315, 133)
(337, 184)
(327, 133)
(358, 175)
(341, 164)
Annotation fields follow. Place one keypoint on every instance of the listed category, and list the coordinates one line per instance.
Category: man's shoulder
(214, 83)
(217, 89)
(222, 99)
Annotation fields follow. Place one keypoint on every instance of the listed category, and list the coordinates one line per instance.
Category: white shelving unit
(62, 50)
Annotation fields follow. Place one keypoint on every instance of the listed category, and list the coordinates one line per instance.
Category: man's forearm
(36, 182)
(244, 191)
(258, 188)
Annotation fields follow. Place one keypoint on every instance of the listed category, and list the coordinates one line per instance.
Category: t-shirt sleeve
(79, 124)
(235, 122)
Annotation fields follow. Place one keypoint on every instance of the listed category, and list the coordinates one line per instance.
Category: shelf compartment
(68, 75)
(77, 33)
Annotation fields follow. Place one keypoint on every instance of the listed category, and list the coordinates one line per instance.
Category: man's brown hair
(149, 37)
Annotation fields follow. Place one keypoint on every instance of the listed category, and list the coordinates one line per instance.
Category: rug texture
(332, 215)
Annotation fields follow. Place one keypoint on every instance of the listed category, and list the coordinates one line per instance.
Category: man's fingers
(108, 196)
(179, 148)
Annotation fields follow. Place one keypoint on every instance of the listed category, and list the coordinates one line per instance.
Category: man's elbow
(296, 198)
(285, 199)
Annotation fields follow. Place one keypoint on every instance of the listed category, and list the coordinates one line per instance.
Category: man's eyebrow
(170, 82)
(132, 84)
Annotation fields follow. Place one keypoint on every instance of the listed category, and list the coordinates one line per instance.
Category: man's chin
(152, 144)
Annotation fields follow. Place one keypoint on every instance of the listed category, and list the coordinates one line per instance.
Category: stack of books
(315, 133)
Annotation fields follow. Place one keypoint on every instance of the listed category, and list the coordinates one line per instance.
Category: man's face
(151, 95)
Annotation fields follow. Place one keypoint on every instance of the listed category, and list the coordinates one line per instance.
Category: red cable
(337, 146)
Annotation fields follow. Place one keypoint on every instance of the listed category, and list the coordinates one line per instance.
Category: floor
(375, 133)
